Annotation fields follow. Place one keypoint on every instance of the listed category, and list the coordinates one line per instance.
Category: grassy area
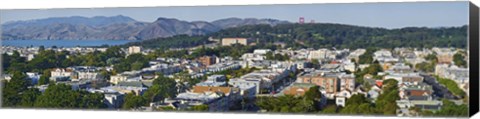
(452, 86)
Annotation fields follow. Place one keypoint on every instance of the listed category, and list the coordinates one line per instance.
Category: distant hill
(97, 21)
(325, 35)
(117, 28)
(236, 22)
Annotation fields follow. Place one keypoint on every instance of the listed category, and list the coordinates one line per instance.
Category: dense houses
(335, 74)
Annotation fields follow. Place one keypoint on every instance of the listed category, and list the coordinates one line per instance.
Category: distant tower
(301, 20)
(312, 21)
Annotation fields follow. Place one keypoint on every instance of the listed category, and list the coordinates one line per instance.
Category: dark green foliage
(45, 78)
(367, 57)
(132, 62)
(230, 73)
(133, 101)
(28, 97)
(286, 104)
(315, 95)
(48, 59)
(426, 66)
(432, 57)
(11, 95)
(315, 63)
(386, 102)
(13, 62)
(373, 69)
(200, 108)
(325, 35)
(62, 96)
(358, 104)
(278, 57)
(179, 41)
(330, 109)
(308, 103)
(459, 60)
(450, 109)
(162, 88)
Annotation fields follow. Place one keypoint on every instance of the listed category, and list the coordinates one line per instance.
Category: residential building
(418, 92)
(207, 60)
(347, 82)
(327, 81)
(214, 81)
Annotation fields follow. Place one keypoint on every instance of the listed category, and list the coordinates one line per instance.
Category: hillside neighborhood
(401, 81)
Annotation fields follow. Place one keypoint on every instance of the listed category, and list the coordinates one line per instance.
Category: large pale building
(134, 49)
(231, 41)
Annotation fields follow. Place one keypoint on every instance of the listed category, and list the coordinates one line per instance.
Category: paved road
(440, 91)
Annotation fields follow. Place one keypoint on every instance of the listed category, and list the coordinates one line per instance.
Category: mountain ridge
(117, 28)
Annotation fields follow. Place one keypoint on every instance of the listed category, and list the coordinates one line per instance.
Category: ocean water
(63, 43)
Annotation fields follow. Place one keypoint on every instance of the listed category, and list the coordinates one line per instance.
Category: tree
(314, 95)
(91, 100)
(330, 109)
(385, 102)
(28, 97)
(133, 101)
(286, 104)
(155, 93)
(459, 60)
(63, 96)
(11, 95)
(452, 110)
(315, 63)
(168, 86)
(202, 107)
(19, 82)
(137, 65)
(45, 78)
(426, 66)
(358, 104)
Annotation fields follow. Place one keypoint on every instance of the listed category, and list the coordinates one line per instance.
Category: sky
(386, 15)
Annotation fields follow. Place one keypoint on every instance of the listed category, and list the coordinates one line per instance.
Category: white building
(261, 51)
(319, 54)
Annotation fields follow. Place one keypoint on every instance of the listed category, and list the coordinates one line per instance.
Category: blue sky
(387, 15)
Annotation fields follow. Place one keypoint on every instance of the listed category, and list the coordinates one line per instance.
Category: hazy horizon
(384, 15)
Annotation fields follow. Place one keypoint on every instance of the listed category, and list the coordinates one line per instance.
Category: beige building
(445, 58)
(231, 41)
(134, 49)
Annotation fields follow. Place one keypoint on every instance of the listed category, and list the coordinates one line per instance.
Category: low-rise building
(418, 92)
